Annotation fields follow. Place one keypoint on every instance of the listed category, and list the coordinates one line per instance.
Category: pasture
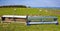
(32, 12)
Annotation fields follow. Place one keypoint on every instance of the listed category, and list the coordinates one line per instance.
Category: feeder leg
(57, 23)
(28, 24)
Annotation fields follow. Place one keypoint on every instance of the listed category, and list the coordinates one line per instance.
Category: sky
(32, 3)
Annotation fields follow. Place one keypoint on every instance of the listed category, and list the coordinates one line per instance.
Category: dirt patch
(0, 17)
(15, 20)
(57, 12)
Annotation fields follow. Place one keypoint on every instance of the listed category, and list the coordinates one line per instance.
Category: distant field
(30, 11)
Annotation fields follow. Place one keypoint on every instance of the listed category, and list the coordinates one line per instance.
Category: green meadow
(31, 12)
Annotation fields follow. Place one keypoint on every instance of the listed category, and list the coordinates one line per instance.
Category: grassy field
(22, 27)
(30, 11)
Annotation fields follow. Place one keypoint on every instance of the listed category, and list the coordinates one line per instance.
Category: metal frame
(42, 22)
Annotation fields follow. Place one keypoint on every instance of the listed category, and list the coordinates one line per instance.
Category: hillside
(33, 12)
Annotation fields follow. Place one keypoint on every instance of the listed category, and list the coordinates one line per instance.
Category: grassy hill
(30, 11)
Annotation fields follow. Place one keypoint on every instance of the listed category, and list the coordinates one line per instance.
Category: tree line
(14, 6)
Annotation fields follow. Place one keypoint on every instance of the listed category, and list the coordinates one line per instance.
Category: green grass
(22, 27)
(29, 11)
(26, 11)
